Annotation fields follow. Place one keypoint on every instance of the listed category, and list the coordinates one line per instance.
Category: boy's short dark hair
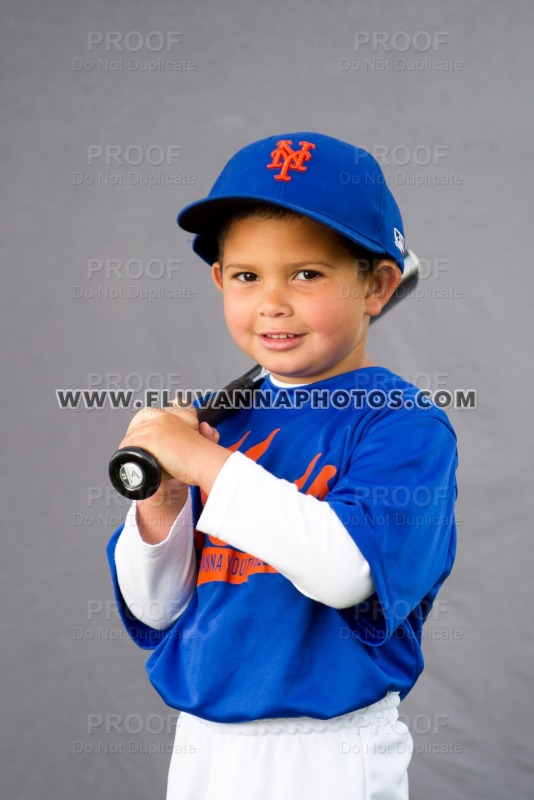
(365, 259)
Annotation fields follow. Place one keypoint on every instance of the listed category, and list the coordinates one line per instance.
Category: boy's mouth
(280, 335)
(280, 340)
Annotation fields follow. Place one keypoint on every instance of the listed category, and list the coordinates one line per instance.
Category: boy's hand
(188, 455)
(172, 436)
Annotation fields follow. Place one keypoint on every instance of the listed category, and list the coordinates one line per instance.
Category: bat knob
(134, 473)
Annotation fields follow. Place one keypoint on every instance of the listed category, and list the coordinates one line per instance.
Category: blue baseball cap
(332, 182)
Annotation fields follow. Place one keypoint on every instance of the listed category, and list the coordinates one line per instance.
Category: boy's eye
(307, 275)
(245, 277)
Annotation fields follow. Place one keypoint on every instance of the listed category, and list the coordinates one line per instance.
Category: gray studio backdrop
(115, 115)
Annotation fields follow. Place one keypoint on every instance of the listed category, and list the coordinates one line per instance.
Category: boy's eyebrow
(290, 265)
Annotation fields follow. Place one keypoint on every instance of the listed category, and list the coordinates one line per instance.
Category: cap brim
(204, 217)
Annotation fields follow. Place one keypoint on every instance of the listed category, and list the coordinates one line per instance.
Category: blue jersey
(249, 645)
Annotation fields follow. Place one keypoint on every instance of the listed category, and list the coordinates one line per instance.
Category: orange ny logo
(287, 159)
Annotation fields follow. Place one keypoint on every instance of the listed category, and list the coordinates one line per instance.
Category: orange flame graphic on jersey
(287, 158)
(222, 563)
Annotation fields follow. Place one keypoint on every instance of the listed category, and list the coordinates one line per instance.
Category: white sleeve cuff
(157, 580)
(298, 535)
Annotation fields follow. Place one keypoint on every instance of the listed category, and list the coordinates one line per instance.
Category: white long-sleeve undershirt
(252, 510)
(157, 580)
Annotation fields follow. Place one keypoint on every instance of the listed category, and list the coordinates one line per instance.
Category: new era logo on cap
(399, 240)
(287, 158)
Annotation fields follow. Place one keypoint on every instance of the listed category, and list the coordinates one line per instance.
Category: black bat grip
(136, 474)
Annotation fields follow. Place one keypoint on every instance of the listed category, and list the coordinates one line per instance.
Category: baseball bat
(136, 474)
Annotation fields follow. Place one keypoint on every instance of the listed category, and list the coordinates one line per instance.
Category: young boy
(288, 625)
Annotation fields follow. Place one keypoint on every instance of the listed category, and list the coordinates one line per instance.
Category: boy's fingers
(209, 433)
(145, 415)
(187, 414)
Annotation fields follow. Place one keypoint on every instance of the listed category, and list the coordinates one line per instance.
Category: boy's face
(294, 299)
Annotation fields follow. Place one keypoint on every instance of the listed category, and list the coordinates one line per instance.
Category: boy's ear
(216, 275)
(384, 280)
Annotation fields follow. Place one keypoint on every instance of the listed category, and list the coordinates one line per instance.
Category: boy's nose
(274, 303)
